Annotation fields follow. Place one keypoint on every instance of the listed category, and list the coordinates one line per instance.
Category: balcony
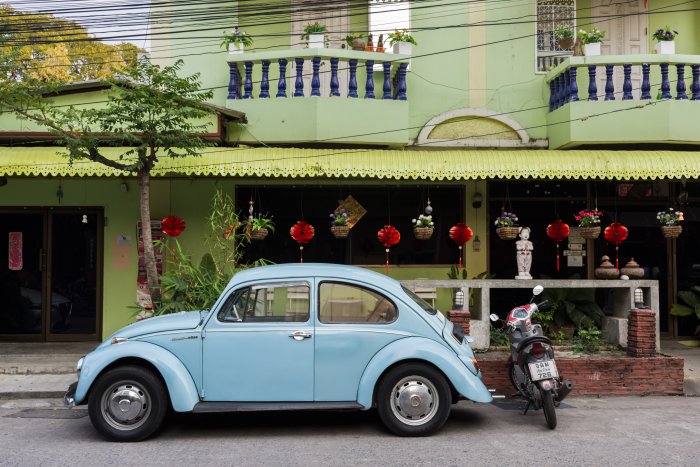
(624, 100)
(323, 96)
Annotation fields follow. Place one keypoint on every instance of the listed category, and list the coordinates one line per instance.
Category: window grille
(553, 15)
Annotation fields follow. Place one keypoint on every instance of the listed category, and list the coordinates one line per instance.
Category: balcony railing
(244, 66)
(564, 80)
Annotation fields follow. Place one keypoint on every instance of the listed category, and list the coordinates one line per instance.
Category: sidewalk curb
(32, 395)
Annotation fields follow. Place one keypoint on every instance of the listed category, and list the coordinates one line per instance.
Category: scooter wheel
(550, 415)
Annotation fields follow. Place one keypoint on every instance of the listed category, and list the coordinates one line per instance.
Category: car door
(260, 345)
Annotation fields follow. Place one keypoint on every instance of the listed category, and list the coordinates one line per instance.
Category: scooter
(531, 366)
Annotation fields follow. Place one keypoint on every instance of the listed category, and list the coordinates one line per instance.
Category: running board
(209, 407)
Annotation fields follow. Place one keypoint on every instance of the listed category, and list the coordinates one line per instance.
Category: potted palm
(666, 38)
(670, 221)
(237, 41)
(339, 223)
(401, 41)
(260, 226)
(315, 35)
(589, 223)
(591, 41)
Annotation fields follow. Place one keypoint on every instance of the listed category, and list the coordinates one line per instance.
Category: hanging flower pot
(423, 233)
(339, 223)
(589, 232)
(670, 221)
(507, 233)
(423, 225)
(259, 234)
(507, 226)
(671, 231)
(340, 231)
(588, 220)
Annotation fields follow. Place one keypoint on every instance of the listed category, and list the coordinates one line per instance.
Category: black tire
(550, 415)
(139, 396)
(414, 400)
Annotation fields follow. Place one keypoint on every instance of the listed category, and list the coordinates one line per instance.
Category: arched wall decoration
(515, 135)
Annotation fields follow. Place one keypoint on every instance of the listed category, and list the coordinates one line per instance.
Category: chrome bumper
(68, 398)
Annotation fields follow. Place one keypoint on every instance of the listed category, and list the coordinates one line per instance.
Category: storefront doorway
(50, 274)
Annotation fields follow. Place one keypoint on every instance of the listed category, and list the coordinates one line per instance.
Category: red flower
(461, 234)
(302, 232)
(172, 226)
(389, 236)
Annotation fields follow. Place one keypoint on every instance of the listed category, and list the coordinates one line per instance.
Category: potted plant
(507, 226)
(666, 40)
(401, 41)
(565, 38)
(591, 41)
(670, 221)
(237, 41)
(339, 223)
(315, 35)
(380, 43)
(589, 223)
(355, 42)
(423, 227)
(370, 43)
(259, 226)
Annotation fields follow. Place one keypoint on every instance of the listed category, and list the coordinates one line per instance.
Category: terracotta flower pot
(340, 231)
(507, 233)
(566, 43)
(423, 233)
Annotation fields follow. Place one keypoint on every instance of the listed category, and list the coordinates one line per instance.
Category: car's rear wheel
(413, 400)
(127, 404)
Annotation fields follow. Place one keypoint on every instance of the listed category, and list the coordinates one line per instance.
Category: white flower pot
(590, 50)
(236, 48)
(402, 48)
(317, 41)
(665, 47)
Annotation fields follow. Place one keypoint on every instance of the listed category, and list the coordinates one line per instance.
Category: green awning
(409, 164)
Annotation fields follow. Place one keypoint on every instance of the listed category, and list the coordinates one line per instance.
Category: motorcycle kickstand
(527, 407)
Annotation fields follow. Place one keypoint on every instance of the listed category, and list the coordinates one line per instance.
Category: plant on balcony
(666, 40)
(565, 38)
(355, 42)
(589, 223)
(591, 40)
(314, 35)
(507, 225)
(236, 41)
(670, 221)
(401, 41)
(259, 226)
(339, 223)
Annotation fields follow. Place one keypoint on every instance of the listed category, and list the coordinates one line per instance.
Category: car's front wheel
(413, 400)
(127, 403)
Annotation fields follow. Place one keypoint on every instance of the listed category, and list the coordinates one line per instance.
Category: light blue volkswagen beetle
(285, 337)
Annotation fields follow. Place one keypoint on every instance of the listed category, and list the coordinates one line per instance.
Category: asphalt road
(620, 431)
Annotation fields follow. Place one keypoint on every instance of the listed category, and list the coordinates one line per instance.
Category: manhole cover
(520, 405)
(49, 413)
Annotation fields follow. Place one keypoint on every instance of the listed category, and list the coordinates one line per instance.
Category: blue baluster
(282, 85)
(299, 82)
(315, 79)
(551, 96)
(696, 82)
(573, 87)
(248, 85)
(335, 85)
(264, 80)
(555, 99)
(646, 86)
(562, 89)
(234, 84)
(627, 82)
(680, 84)
(352, 84)
(665, 85)
(387, 80)
(369, 85)
(609, 84)
(567, 85)
(592, 85)
(401, 94)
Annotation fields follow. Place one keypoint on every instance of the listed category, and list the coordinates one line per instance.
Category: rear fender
(181, 387)
(420, 348)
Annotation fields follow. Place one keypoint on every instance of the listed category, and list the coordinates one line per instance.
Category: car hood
(185, 320)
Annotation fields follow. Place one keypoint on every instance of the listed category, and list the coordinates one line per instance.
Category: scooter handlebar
(543, 305)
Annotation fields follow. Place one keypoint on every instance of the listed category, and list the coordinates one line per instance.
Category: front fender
(181, 387)
(420, 348)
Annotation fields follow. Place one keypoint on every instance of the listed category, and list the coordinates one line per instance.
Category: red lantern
(460, 234)
(388, 236)
(172, 226)
(558, 231)
(302, 232)
(616, 233)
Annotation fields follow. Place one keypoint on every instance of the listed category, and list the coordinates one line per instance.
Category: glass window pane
(269, 303)
(343, 303)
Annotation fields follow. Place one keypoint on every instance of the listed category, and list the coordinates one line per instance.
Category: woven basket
(259, 234)
(671, 231)
(423, 233)
(589, 232)
(507, 233)
(340, 231)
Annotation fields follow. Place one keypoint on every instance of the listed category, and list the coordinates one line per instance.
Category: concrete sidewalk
(44, 370)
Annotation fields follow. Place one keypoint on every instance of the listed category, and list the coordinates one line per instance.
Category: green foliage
(261, 221)
(592, 36)
(401, 35)
(544, 318)
(237, 37)
(691, 299)
(587, 340)
(557, 336)
(351, 37)
(313, 28)
(576, 306)
(499, 338)
(455, 273)
(564, 33)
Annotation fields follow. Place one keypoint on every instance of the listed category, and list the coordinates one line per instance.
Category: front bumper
(69, 397)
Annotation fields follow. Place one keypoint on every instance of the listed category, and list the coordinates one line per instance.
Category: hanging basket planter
(589, 232)
(507, 233)
(671, 231)
(423, 233)
(259, 234)
(340, 231)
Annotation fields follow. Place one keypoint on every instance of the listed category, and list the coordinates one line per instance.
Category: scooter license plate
(543, 370)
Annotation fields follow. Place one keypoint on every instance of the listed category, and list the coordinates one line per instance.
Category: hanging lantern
(558, 231)
(302, 232)
(172, 226)
(616, 233)
(460, 234)
(388, 236)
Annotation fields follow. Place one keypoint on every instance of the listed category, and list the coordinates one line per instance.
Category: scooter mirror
(493, 316)
(537, 290)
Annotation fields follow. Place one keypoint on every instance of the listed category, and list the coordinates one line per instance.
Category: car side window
(268, 303)
(346, 303)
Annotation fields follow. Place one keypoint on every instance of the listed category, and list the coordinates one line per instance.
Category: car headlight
(79, 366)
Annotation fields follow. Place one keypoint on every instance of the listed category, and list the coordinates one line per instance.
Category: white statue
(523, 253)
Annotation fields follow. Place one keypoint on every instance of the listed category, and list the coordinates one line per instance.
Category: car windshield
(421, 303)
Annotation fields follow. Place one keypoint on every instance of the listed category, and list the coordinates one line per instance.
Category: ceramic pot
(566, 43)
(317, 41)
(591, 50)
(403, 48)
(606, 270)
(665, 47)
(632, 270)
(236, 49)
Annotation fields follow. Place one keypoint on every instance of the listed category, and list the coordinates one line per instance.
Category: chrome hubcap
(126, 405)
(414, 400)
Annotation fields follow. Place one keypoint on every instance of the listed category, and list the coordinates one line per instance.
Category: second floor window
(386, 16)
(553, 16)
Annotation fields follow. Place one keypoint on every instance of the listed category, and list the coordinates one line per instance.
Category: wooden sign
(354, 210)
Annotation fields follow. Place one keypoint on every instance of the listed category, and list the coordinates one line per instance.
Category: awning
(409, 164)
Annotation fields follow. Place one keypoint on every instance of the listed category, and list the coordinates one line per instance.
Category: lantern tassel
(301, 253)
(386, 265)
(557, 257)
(617, 257)
(460, 257)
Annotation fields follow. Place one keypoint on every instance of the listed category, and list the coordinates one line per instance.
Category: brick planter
(460, 318)
(641, 333)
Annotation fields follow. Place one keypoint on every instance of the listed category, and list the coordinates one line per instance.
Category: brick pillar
(460, 318)
(641, 333)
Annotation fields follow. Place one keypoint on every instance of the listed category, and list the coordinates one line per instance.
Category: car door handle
(300, 335)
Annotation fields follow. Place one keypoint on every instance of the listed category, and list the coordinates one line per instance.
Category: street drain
(55, 414)
(520, 405)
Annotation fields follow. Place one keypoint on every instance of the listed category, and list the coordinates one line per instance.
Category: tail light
(537, 350)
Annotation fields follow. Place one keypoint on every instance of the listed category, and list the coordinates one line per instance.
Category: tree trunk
(148, 250)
